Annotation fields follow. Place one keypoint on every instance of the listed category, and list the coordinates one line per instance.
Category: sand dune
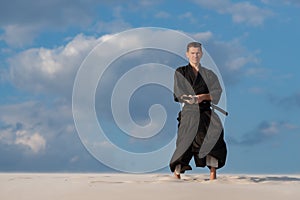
(25, 186)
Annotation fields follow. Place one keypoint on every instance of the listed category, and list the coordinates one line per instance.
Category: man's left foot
(213, 173)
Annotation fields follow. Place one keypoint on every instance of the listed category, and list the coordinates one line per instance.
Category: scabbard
(219, 109)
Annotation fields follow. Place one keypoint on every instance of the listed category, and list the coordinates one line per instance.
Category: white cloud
(51, 71)
(231, 57)
(35, 141)
(44, 71)
(238, 62)
(237, 55)
(112, 26)
(35, 136)
(242, 12)
(6, 135)
(270, 129)
(203, 36)
(41, 70)
(246, 12)
(23, 21)
(18, 35)
(188, 16)
(274, 127)
(33, 125)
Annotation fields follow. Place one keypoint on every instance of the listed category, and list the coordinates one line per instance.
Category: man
(200, 131)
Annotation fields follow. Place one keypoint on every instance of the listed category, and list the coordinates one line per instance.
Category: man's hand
(195, 99)
(190, 99)
(203, 97)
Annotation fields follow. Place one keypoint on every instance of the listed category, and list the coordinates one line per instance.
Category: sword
(213, 106)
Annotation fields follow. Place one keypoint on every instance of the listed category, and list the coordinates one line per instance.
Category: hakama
(200, 130)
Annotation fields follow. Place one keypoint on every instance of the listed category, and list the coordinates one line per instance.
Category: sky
(254, 45)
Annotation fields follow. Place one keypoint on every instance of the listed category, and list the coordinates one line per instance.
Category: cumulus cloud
(35, 141)
(114, 26)
(231, 57)
(241, 12)
(54, 12)
(23, 21)
(39, 137)
(47, 126)
(188, 16)
(41, 70)
(19, 35)
(203, 36)
(31, 125)
(50, 150)
(52, 71)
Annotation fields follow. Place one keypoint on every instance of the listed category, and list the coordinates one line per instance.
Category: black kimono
(200, 130)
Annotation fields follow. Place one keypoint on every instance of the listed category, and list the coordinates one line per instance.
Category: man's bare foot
(177, 171)
(213, 173)
(177, 176)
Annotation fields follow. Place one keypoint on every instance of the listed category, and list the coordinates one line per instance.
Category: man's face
(194, 55)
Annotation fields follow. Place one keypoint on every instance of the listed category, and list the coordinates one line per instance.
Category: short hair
(193, 44)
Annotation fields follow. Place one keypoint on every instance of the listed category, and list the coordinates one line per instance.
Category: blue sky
(253, 43)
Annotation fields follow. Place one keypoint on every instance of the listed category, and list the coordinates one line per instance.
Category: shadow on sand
(270, 178)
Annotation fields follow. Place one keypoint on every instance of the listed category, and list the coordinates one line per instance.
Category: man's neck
(196, 66)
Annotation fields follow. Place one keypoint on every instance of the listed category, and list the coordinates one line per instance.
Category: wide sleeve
(179, 86)
(214, 87)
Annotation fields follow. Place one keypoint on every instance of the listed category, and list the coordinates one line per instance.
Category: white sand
(24, 186)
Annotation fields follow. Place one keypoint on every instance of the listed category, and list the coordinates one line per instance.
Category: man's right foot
(177, 176)
(177, 171)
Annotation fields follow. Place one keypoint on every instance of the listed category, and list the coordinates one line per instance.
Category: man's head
(194, 53)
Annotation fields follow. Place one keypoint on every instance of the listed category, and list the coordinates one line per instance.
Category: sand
(33, 186)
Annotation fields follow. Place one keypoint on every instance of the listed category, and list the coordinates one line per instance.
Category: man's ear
(187, 54)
